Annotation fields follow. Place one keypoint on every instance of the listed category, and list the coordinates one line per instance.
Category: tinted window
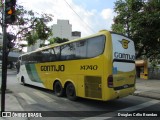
(68, 51)
(25, 59)
(46, 55)
(81, 49)
(55, 54)
(88, 48)
(50, 55)
(95, 46)
(35, 57)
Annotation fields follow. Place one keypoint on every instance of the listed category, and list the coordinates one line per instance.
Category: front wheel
(70, 92)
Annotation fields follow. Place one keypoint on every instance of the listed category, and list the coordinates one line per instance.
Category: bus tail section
(123, 76)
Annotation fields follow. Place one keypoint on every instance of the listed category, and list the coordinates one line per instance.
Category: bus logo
(124, 43)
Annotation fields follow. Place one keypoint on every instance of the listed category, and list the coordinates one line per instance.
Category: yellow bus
(100, 67)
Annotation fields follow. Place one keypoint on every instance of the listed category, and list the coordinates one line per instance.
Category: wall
(154, 73)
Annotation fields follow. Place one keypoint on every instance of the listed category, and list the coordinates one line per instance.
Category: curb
(6, 91)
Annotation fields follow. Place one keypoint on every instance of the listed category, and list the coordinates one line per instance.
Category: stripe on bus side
(32, 73)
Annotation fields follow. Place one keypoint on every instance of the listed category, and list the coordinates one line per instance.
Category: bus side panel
(48, 73)
(80, 86)
(80, 73)
(30, 75)
(107, 92)
(91, 72)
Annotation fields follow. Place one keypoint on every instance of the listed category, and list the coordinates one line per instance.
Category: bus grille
(93, 87)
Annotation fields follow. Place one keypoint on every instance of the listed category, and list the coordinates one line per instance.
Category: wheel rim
(70, 90)
(58, 88)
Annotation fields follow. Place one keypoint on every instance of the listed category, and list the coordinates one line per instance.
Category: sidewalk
(148, 88)
(11, 102)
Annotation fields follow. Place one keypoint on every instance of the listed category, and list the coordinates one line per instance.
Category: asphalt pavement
(145, 88)
(148, 88)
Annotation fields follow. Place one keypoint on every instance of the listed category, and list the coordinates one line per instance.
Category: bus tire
(70, 92)
(23, 81)
(58, 89)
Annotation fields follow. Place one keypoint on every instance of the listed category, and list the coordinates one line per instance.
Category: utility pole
(8, 18)
(4, 64)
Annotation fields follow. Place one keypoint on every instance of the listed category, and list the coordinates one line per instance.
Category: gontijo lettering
(56, 68)
(124, 56)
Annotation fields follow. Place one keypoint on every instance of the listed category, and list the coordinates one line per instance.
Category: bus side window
(46, 55)
(68, 51)
(37, 57)
(96, 43)
(81, 49)
(25, 59)
(55, 53)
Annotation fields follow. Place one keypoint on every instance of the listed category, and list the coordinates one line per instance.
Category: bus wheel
(59, 91)
(22, 80)
(70, 92)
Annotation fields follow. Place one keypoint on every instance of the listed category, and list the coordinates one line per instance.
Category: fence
(154, 73)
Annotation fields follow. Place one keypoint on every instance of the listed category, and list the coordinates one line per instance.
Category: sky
(86, 16)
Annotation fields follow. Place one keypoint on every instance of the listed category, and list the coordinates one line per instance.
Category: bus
(100, 67)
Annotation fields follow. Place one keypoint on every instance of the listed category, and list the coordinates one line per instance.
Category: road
(36, 99)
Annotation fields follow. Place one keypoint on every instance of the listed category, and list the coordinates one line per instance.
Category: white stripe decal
(27, 98)
(45, 97)
(129, 109)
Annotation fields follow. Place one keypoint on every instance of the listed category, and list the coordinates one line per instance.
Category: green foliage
(140, 21)
(57, 40)
(42, 30)
(31, 26)
(32, 38)
(60, 40)
(51, 41)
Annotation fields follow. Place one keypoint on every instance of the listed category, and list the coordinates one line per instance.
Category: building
(142, 69)
(63, 29)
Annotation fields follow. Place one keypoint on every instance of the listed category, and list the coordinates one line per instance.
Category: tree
(139, 20)
(57, 40)
(30, 26)
(35, 25)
